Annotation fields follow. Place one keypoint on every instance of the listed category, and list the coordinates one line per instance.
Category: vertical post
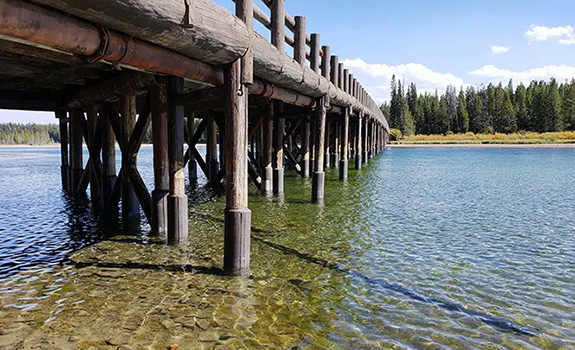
(325, 62)
(364, 139)
(318, 180)
(108, 153)
(372, 140)
(192, 164)
(351, 138)
(161, 165)
(76, 156)
(299, 38)
(130, 204)
(260, 146)
(326, 145)
(222, 145)
(279, 132)
(212, 148)
(305, 149)
(326, 73)
(237, 216)
(334, 70)
(278, 24)
(245, 12)
(64, 167)
(335, 145)
(177, 199)
(358, 144)
(343, 163)
(314, 53)
(267, 156)
(340, 76)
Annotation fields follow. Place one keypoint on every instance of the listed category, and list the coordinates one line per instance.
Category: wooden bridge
(110, 69)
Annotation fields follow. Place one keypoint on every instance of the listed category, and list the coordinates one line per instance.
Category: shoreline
(482, 145)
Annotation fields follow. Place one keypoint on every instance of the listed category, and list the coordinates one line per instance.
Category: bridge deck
(113, 68)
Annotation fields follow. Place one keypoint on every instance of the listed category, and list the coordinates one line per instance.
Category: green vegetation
(496, 138)
(541, 107)
(28, 134)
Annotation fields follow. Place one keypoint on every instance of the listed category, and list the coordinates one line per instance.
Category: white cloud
(376, 78)
(564, 34)
(498, 50)
(562, 72)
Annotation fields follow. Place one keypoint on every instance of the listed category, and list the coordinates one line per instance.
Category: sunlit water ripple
(424, 248)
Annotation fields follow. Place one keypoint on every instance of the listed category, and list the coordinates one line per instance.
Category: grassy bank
(471, 138)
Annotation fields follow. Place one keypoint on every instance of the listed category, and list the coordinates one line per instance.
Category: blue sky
(435, 43)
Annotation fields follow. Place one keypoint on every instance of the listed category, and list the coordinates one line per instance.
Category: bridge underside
(261, 128)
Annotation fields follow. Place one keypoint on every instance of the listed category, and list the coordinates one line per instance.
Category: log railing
(308, 53)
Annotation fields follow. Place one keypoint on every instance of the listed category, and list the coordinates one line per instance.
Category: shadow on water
(154, 267)
(500, 323)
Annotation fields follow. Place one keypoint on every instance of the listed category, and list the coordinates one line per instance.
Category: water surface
(424, 248)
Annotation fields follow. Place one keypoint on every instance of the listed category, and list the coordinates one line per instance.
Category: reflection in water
(425, 248)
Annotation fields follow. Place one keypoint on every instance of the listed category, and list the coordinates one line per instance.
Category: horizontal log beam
(44, 27)
(199, 29)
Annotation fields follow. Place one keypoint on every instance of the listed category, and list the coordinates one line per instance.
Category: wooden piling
(108, 153)
(326, 156)
(267, 153)
(177, 199)
(358, 142)
(130, 204)
(76, 156)
(212, 149)
(305, 148)
(237, 216)
(335, 145)
(318, 180)
(343, 152)
(364, 144)
(61, 115)
(161, 165)
(278, 159)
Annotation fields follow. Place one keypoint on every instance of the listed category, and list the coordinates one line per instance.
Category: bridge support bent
(177, 199)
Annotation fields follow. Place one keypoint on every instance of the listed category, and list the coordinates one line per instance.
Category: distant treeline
(39, 134)
(28, 134)
(540, 107)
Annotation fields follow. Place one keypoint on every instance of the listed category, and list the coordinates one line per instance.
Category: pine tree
(553, 103)
(396, 105)
(462, 114)
(521, 107)
(568, 107)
